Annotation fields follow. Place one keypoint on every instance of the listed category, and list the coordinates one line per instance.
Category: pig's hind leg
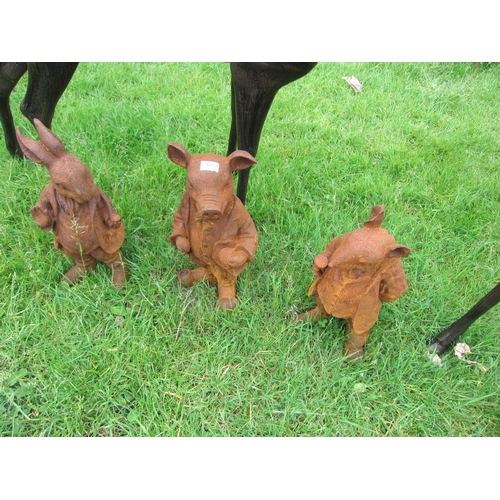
(227, 295)
(188, 277)
(226, 286)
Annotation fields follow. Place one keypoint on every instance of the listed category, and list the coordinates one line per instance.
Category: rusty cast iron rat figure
(85, 225)
(355, 273)
(211, 224)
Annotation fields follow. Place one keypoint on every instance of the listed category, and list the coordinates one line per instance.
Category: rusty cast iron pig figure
(85, 225)
(211, 224)
(355, 273)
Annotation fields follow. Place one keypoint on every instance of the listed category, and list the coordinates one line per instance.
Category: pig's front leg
(182, 243)
(179, 237)
(232, 257)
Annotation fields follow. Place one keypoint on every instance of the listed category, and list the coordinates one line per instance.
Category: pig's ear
(178, 154)
(35, 150)
(239, 160)
(398, 251)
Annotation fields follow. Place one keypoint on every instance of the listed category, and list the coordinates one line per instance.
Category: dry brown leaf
(353, 83)
(461, 349)
(435, 359)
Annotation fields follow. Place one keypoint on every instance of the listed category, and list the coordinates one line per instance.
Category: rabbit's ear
(35, 150)
(49, 139)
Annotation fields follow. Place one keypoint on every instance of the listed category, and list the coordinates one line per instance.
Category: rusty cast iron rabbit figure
(86, 227)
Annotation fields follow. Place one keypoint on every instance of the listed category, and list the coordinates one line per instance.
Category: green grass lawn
(158, 360)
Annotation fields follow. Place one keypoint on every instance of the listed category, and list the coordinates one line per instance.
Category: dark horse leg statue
(253, 88)
(10, 74)
(444, 340)
(46, 84)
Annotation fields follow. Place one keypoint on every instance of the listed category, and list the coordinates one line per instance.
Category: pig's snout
(210, 215)
(210, 208)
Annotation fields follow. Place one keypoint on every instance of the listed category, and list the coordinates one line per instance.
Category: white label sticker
(213, 166)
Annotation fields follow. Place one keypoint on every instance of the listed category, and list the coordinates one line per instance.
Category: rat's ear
(178, 154)
(376, 216)
(396, 251)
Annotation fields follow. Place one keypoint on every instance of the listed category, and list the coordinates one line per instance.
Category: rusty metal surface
(85, 225)
(211, 225)
(355, 274)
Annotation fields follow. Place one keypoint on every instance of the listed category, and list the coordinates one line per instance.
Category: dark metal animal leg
(444, 340)
(253, 87)
(10, 74)
(233, 142)
(46, 84)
